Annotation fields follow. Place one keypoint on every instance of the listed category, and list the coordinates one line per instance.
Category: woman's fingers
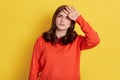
(71, 12)
(65, 11)
(69, 9)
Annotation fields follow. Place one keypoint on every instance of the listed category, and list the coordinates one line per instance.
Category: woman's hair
(50, 35)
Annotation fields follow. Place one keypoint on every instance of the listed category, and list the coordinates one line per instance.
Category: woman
(56, 54)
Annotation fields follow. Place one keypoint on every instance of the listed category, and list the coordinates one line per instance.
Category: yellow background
(23, 21)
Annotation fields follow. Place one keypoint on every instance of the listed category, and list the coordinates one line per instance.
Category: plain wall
(23, 21)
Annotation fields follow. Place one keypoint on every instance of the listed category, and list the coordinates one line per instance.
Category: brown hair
(50, 35)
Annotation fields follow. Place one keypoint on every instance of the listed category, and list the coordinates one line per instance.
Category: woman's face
(62, 21)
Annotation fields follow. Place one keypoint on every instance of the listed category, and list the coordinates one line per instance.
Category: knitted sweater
(61, 62)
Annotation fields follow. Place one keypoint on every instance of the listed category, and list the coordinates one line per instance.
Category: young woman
(56, 54)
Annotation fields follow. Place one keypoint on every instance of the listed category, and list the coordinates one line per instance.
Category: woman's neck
(60, 33)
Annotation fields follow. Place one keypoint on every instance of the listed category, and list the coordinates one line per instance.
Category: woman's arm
(35, 65)
(91, 37)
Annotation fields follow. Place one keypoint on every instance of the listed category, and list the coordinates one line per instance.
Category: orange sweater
(61, 62)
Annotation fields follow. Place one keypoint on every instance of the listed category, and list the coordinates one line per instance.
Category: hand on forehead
(69, 9)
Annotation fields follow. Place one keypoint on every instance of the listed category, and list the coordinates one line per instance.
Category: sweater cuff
(79, 18)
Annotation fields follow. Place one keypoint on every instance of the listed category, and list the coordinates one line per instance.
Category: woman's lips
(61, 24)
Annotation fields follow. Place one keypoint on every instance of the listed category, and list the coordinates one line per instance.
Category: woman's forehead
(62, 13)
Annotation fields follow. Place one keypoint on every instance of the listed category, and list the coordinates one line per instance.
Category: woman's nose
(62, 19)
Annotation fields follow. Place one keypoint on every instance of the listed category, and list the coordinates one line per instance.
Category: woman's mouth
(61, 24)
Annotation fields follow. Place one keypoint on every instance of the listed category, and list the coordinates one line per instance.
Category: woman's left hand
(71, 12)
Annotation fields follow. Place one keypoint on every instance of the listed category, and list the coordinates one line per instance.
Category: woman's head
(61, 21)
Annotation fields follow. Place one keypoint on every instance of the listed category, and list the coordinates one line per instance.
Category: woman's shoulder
(40, 39)
(79, 37)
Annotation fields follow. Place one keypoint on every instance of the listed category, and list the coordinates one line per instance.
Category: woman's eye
(65, 17)
(59, 16)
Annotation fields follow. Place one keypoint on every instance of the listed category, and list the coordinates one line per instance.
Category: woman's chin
(62, 29)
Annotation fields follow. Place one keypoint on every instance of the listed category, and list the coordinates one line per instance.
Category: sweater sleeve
(91, 37)
(35, 65)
